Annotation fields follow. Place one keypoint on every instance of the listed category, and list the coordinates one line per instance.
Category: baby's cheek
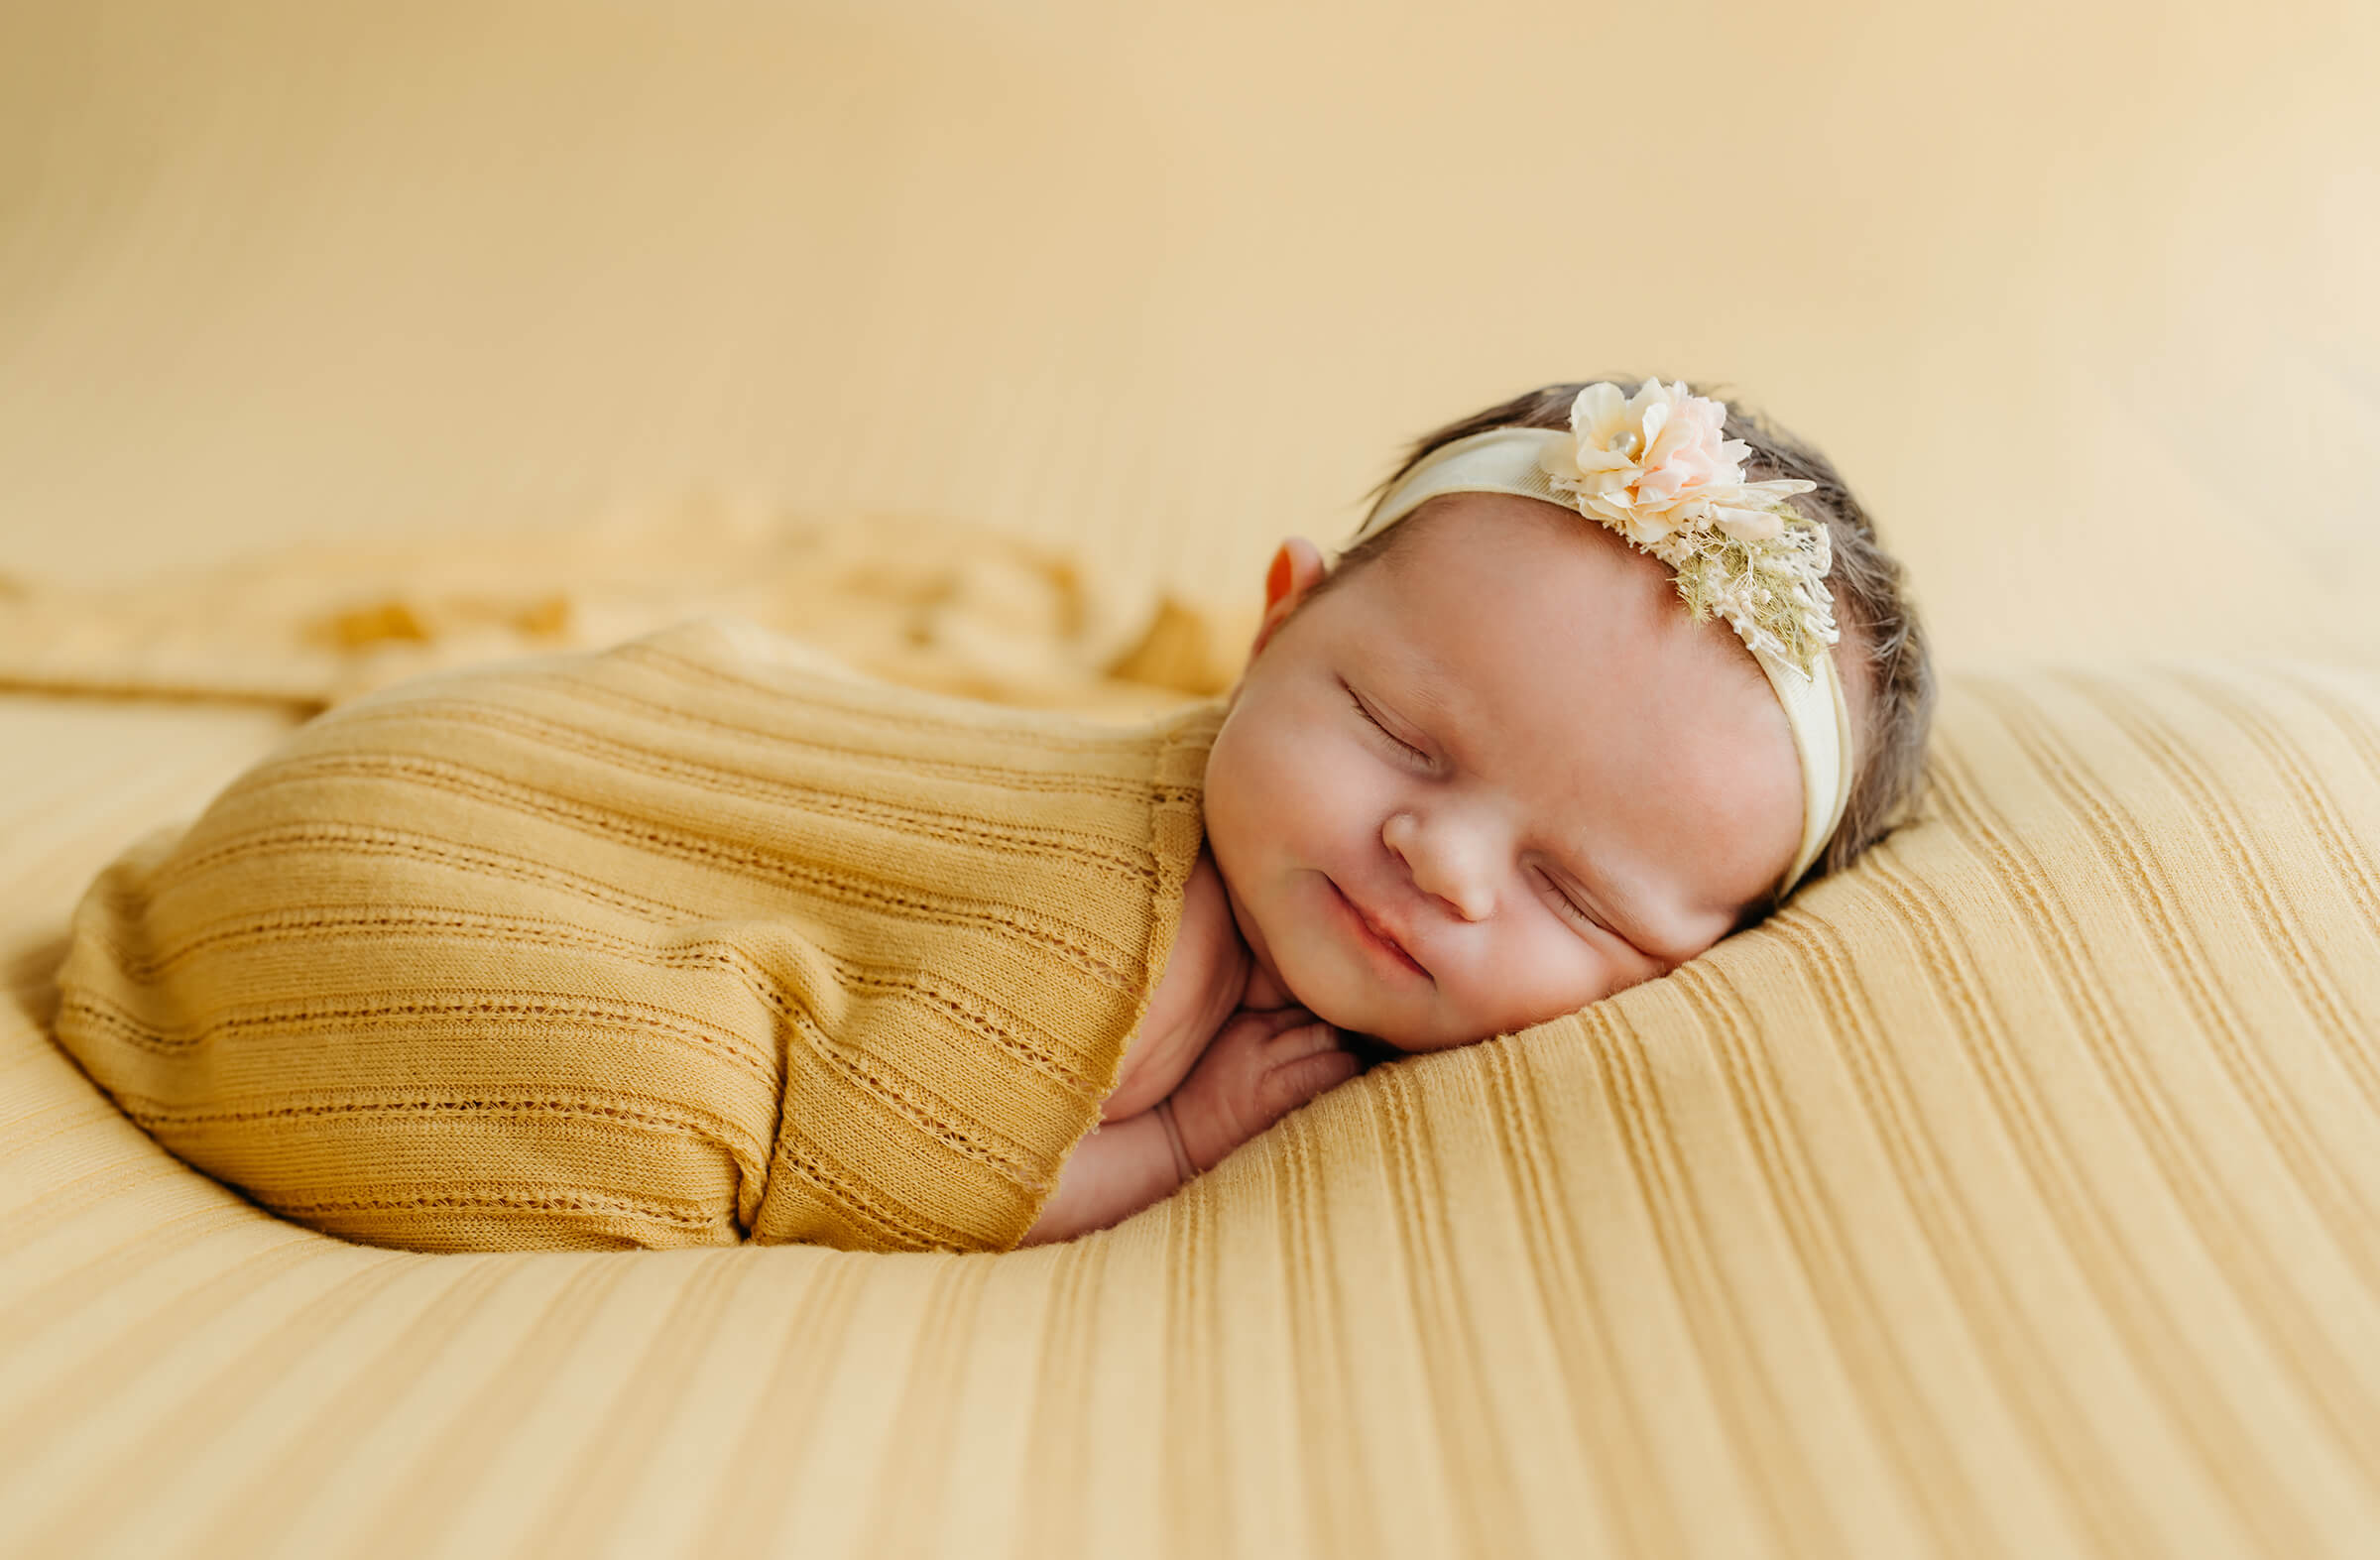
(1545, 978)
(1244, 768)
(1273, 802)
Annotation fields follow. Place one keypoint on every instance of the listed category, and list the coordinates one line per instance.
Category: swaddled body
(691, 941)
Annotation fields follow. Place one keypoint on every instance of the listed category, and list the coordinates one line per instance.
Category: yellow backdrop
(2058, 284)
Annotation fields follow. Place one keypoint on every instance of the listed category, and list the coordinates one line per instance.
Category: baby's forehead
(1527, 584)
(1588, 682)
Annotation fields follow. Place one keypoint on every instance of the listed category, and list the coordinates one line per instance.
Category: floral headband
(1655, 468)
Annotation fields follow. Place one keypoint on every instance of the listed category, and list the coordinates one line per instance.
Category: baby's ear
(1297, 567)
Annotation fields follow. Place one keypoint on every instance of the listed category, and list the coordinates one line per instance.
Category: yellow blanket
(692, 940)
(2011, 1195)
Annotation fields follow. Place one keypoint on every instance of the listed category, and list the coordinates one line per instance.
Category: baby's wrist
(1183, 1167)
(1129, 1166)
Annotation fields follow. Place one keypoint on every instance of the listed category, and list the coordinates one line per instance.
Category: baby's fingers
(1302, 1039)
(1267, 1026)
(1292, 1083)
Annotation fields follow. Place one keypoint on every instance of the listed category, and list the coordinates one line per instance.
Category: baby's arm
(1120, 1170)
(1204, 983)
(1262, 1065)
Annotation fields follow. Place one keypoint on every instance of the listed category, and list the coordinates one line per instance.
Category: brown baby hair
(1884, 644)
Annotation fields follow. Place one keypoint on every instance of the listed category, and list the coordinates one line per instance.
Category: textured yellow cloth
(693, 940)
(2014, 1195)
(939, 604)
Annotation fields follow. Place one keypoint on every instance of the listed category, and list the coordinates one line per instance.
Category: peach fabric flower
(1659, 461)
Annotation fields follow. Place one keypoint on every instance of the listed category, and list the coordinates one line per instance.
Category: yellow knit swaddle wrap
(690, 941)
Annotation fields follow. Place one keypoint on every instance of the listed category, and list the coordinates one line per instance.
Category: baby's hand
(1261, 1065)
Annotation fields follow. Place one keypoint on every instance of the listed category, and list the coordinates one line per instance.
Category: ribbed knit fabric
(696, 941)
(2013, 1195)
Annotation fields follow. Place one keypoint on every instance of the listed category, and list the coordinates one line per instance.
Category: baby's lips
(1382, 930)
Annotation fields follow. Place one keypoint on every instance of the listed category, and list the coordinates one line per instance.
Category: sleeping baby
(704, 939)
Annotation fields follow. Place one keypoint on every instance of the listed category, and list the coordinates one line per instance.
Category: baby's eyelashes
(1381, 726)
(1566, 905)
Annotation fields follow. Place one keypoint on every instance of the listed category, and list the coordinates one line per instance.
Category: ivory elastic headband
(1530, 462)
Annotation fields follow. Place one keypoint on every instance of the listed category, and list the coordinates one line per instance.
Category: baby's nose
(1445, 863)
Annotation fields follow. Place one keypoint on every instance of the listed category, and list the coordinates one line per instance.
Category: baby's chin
(1374, 1014)
(1421, 1044)
(1401, 1025)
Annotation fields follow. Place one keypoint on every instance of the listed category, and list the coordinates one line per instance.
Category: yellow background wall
(2058, 285)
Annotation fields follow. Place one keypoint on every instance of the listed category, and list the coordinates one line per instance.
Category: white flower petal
(1652, 421)
(1749, 525)
(1595, 410)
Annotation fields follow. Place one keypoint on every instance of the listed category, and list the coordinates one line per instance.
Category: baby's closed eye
(1372, 717)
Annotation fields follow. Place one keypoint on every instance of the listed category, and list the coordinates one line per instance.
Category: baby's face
(1493, 778)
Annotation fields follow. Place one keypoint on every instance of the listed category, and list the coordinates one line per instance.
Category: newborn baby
(1487, 768)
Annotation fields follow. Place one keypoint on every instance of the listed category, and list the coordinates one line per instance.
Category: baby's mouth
(1377, 933)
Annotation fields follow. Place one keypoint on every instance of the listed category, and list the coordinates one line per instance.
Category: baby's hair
(1879, 624)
